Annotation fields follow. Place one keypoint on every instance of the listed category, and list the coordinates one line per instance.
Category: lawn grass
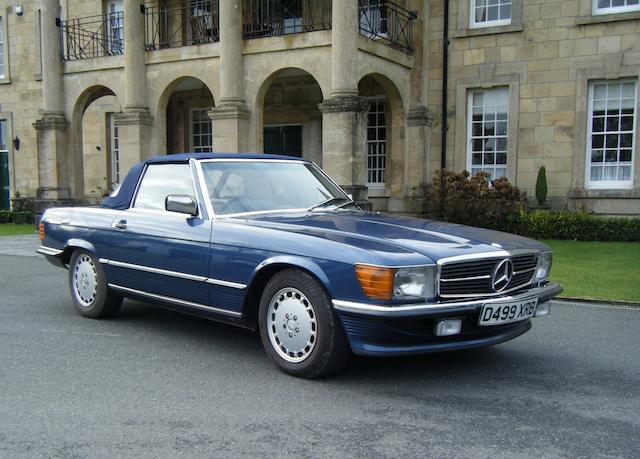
(597, 270)
(9, 229)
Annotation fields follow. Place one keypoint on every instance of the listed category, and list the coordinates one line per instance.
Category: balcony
(387, 22)
(274, 18)
(197, 22)
(91, 37)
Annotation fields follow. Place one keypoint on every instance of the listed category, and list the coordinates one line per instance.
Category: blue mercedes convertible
(272, 243)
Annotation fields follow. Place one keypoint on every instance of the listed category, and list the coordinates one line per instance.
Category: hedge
(18, 218)
(497, 204)
(578, 226)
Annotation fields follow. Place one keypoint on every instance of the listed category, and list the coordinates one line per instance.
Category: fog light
(448, 327)
(543, 309)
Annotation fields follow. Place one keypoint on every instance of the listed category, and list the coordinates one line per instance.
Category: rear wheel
(91, 295)
(299, 330)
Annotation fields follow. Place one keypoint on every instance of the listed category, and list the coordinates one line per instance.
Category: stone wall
(547, 57)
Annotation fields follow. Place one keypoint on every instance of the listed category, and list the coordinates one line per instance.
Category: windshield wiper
(328, 202)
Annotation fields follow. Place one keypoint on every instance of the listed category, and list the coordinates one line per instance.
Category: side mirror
(181, 203)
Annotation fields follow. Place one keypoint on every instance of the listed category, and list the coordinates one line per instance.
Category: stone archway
(288, 119)
(94, 161)
(183, 115)
(385, 140)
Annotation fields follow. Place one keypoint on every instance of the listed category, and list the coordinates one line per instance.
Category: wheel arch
(74, 244)
(269, 268)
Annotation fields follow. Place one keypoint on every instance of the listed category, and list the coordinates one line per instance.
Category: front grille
(468, 279)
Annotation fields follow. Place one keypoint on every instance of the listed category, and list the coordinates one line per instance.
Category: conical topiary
(541, 186)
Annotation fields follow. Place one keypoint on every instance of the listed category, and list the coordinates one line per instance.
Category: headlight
(382, 283)
(415, 282)
(543, 267)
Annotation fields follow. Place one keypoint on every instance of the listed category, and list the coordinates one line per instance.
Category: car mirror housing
(181, 203)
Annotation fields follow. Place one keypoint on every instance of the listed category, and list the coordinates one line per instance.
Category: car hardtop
(121, 199)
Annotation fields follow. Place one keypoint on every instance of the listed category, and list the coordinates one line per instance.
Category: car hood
(432, 238)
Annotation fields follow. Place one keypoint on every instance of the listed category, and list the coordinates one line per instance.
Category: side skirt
(187, 307)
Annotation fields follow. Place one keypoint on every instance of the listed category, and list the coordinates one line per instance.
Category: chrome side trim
(164, 272)
(44, 250)
(175, 300)
(104, 261)
(226, 283)
(543, 293)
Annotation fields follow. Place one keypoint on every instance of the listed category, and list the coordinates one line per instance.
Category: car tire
(90, 292)
(299, 329)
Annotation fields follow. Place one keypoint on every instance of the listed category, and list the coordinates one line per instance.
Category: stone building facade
(88, 88)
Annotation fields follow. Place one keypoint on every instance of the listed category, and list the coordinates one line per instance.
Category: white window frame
(8, 151)
(114, 153)
(4, 51)
(191, 133)
(496, 22)
(613, 9)
(115, 27)
(470, 136)
(610, 184)
(378, 184)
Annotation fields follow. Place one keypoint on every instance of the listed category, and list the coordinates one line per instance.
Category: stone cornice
(343, 104)
(51, 121)
(133, 116)
(419, 115)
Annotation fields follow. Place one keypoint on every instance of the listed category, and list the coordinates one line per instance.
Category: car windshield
(263, 186)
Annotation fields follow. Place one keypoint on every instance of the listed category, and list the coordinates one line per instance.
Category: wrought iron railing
(195, 24)
(388, 22)
(94, 36)
(272, 18)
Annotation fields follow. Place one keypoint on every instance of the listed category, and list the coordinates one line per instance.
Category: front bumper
(410, 329)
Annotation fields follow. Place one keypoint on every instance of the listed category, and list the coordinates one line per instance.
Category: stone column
(416, 160)
(51, 129)
(231, 115)
(344, 121)
(134, 123)
(344, 127)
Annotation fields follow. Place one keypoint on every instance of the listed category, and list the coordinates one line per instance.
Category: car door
(161, 253)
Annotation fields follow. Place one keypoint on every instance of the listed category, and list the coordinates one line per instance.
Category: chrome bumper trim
(44, 250)
(175, 300)
(543, 293)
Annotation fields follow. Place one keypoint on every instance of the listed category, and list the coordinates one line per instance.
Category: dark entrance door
(4, 180)
(283, 140)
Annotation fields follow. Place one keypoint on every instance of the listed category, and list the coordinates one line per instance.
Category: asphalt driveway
(156, 383)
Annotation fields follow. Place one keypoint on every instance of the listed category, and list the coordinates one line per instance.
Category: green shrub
(578, 226)
(22, 218)
(541, 186)
(473, 200)
(18, 218)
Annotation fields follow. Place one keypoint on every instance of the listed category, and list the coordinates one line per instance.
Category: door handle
(121, 225)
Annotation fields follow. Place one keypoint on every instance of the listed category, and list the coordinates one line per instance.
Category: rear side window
(161, 180)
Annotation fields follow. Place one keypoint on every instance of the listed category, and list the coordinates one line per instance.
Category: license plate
(504, 313)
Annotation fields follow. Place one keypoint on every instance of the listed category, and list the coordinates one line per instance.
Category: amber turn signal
(377, 282)
(41, 228)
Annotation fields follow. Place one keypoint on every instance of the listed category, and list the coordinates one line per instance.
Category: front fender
(294, 261)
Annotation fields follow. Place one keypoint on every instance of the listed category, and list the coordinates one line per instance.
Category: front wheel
(299, 330)
(91, 295)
